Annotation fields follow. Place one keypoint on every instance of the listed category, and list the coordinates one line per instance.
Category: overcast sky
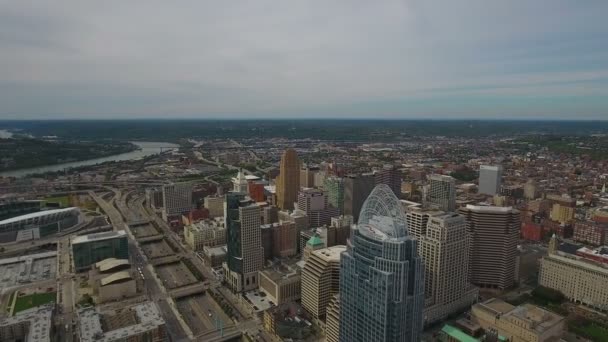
(300, 59)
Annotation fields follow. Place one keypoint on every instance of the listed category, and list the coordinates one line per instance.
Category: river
(146, 148)
(4, 134)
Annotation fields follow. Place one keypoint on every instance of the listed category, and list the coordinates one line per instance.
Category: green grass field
(33, 300)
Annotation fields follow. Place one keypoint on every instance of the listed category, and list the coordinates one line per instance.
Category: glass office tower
(381, 275)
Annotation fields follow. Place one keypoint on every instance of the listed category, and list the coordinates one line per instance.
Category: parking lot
(30, 269)
(175, 275)
(144, 230)
(196, 312)
(157, 249)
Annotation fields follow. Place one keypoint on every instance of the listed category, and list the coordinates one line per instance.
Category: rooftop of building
(39, 319)
(209, 223)
(215, 251)
(330, 253)
(39, 214)
(578, 261)
(490, 208)
(315, 240)
(99, 236)
(537, 318)
(147, 316)
(116, 278)
(282, 270)
(111, 263)
(457, 334)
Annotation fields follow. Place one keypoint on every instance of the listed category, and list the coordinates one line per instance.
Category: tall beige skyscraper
(321, 279)
(495, 233)
(288, 181)
(445, 249)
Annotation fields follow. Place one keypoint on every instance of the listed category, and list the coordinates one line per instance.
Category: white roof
(251, 177)
(489, 208)
(110, 263)
(99, 236)
(118, 276)
(38, 214)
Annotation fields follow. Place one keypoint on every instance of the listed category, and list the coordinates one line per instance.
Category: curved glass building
(381, 275)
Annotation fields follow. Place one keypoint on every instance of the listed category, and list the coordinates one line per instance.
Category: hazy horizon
(394, 59)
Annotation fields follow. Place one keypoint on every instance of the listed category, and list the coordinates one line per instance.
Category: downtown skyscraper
(494, 233)
(288, 181)
(245, 255)
(381, 275)
(442, 192)
(490, 178)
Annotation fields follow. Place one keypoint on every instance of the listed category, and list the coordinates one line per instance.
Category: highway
(248, 323)
(154, 291)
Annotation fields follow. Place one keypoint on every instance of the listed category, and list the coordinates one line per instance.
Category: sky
(487, 59)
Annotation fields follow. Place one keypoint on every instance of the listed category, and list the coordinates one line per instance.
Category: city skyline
(394, 59)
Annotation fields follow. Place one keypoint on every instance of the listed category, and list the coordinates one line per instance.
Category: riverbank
(139, 149)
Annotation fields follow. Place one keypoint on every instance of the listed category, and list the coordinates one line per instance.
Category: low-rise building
(581, 279)
(210, 233)
(32, 325)
(590, 232)
(524, 323)
(287, 321)
(214, 256)
(281, 283)
(139, 323)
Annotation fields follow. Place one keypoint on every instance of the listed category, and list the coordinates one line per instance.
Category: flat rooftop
(148, 318)
(330, 253)
(489, 208)
(99, 237)
(40, 322)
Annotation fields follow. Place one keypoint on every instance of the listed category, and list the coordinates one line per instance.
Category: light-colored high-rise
(215, 205)
(495, 234)
(417, 219)
(239, 182)
(381, 275)
(288, 181)
(490, 178)
(445, 250)
(442, 192)
(245, 255)
(321, 279)
(332, 322)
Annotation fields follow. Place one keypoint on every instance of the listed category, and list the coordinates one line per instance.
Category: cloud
(472, 58)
